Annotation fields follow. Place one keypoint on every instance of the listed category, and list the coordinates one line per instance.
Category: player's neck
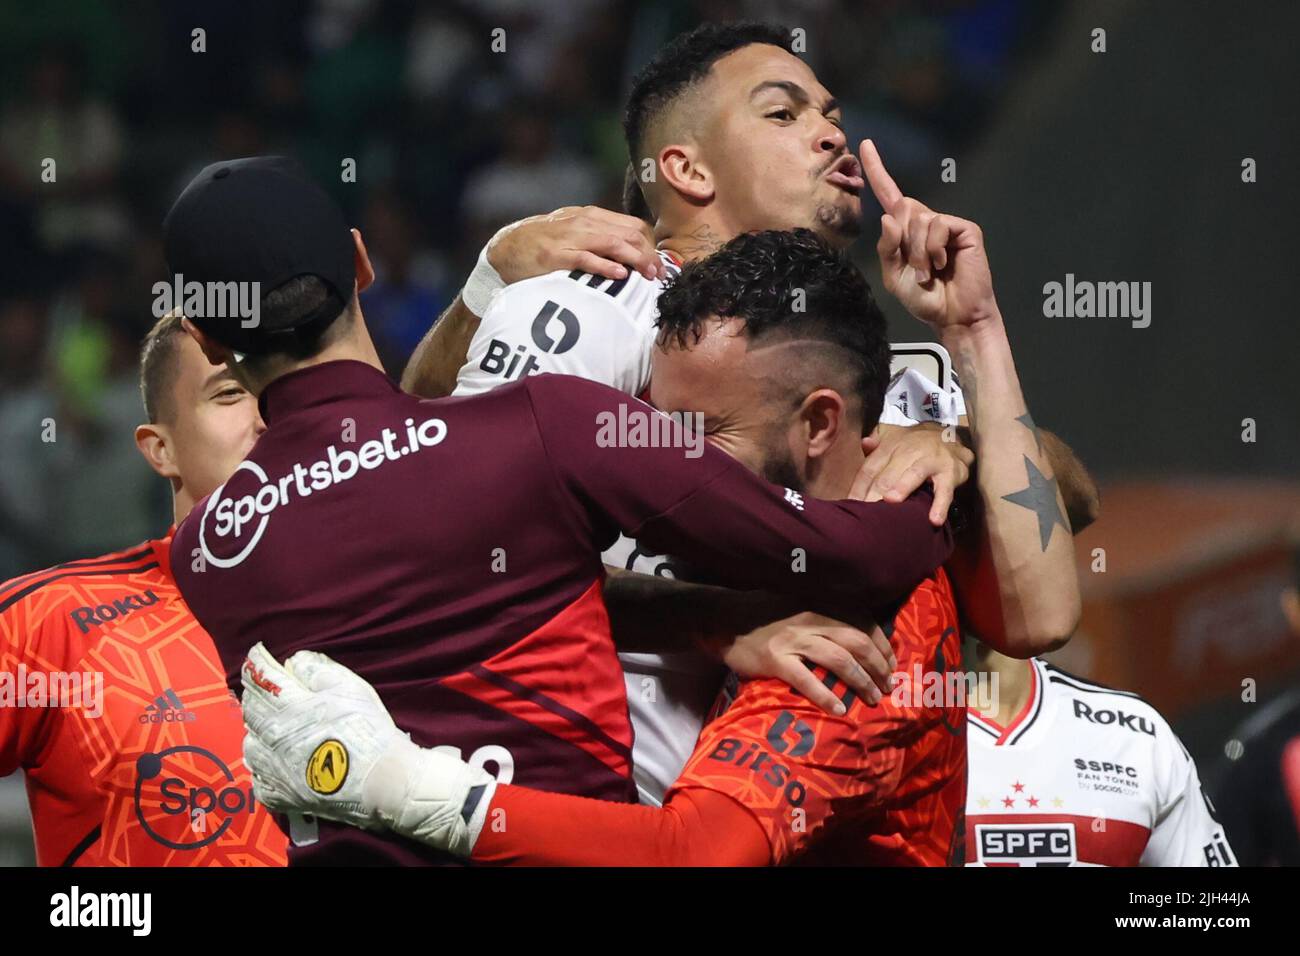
(1015, 682)
(831, 476)
(696, 239)
(356, 347)
(182, 502)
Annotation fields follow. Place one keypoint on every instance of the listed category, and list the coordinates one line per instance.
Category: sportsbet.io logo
(238, 512)
(186, 797)
(328, 768)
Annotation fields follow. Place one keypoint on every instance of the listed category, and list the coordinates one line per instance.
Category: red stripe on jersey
(573, 656)
(1004, 733)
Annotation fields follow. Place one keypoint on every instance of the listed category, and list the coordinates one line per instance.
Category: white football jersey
(603, 330)
(569, 323)
(1085, 776)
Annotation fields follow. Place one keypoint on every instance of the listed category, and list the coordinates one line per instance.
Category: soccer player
(770, 780)
(1259, 788)
(168, 724)
(449, 550)
(1066, 772)
(729, 133)
(144, 766)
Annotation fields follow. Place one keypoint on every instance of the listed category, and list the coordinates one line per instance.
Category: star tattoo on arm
(1027, 420)
(1040, 498)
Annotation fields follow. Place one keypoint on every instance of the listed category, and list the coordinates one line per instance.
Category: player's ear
(154, 442)
(365, 271)
(822, 416)
(682, 169)
(214, 351)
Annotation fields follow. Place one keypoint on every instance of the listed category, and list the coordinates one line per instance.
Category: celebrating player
(450, 549)
(150, 771)
(729, 132)
(770, 780)
(1065, 772)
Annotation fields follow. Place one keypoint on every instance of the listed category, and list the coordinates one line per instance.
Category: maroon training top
(448, 551)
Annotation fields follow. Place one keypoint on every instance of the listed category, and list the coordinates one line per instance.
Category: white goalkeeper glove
(320, 741)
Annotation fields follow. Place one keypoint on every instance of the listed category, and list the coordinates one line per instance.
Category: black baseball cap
(260, 219)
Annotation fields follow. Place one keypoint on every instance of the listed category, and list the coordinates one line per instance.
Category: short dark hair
(634, 203)
(683, 62)
(158, 367)
(787, 285)
(286, 305)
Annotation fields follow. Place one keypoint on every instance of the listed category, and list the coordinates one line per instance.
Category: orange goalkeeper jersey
(114, 704)
(879, 786)
(773, 779)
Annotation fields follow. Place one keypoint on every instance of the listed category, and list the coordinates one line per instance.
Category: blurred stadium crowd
(450, 141)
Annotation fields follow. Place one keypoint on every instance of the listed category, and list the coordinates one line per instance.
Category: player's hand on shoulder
(587, 238)
(861, 659)
(900, 459)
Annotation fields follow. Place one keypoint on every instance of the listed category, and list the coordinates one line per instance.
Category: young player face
(216, 421)
(774, 143)
(737, 391)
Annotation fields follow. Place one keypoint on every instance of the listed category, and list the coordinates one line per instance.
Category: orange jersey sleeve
(881, 785)
(138, 761)
(696, 828)
(775, 780)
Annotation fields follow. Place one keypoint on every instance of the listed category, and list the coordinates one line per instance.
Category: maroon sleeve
(712, 512)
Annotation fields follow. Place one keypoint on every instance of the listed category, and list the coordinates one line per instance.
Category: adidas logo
(167, 709)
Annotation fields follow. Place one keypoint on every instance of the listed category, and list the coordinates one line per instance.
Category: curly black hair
(683, 62)
(788, 285)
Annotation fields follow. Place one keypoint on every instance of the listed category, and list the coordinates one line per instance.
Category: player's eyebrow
(218, 375)
(795, 92)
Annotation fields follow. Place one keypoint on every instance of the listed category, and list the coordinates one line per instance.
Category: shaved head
(665, 103)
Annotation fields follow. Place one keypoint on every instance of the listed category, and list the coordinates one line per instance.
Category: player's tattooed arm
(754, 634)
(1018, 585)
(1013, 570)
(1078, 490)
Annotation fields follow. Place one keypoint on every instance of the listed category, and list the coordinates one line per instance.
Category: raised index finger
(882, 184)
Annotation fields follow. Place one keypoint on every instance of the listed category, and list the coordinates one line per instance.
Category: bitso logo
(803, 735)
(518, 362)
(542, 327)
(328, 768)
(788, 737)
(186, 797)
